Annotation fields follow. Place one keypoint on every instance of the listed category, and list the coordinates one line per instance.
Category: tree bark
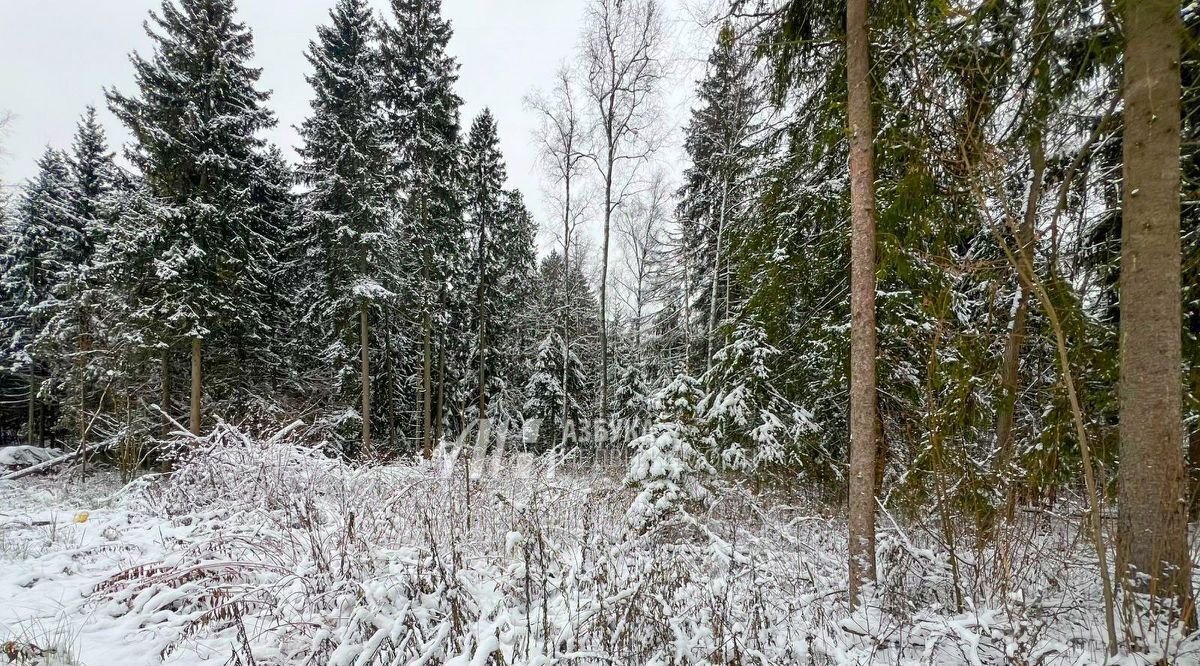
(31, 405)
(1016, 334)
(608, 206)
(862, 302)
(427, 390)
(84, 344)
(441, 399)
(389, 373)
(164, 370)
(1152, 526)
(195, 420)
(566, 398)
(364, 333)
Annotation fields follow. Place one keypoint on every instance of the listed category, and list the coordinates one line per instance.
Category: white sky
(56, 56)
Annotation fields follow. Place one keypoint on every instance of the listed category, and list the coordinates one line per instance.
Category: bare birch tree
(640, 230)
(561, 134)
(622, 55)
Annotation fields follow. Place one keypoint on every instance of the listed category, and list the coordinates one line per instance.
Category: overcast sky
(60, 54)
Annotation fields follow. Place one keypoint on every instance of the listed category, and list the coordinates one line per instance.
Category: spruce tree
(345, 230)
(557, 288)
(500, 266)
(752, 424)
(422, 116)
(722, 144)
(263, 365)
(546, 394)
(40, 241)
(73, 294)
(133, 297)
(485, 176)
(196, 122)
(631, 401)
(516, 269)
(668, 461)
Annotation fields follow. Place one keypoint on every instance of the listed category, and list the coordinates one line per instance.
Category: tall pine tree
(39, 241)
(501, 265)
(346, 228)
(71, 306)
(196, 123)
(422, 116)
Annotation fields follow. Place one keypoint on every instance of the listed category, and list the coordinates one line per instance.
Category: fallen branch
(53, 462)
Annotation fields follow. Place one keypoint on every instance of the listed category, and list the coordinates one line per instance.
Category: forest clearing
(671, 332)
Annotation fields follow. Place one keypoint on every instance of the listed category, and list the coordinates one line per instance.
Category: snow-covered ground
(58, 542)
(267, 552)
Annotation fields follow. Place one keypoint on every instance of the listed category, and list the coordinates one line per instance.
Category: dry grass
(293, 557)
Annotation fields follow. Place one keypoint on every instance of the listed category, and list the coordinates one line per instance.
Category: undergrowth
(293, 557)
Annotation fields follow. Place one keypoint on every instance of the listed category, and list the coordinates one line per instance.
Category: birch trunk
(608, 206)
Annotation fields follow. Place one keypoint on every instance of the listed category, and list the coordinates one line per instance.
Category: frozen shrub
(262, 550)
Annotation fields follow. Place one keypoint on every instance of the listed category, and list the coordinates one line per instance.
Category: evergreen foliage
(347, 246)
(668, 462)
(210, 244)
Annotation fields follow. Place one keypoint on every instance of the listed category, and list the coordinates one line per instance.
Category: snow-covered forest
(894, 359)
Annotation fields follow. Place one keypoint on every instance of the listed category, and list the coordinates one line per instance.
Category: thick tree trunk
(364, 333)
(195, 420)
(1152, 527)
(862, 302)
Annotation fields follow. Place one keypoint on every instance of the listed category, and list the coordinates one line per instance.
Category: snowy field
(265, 552)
